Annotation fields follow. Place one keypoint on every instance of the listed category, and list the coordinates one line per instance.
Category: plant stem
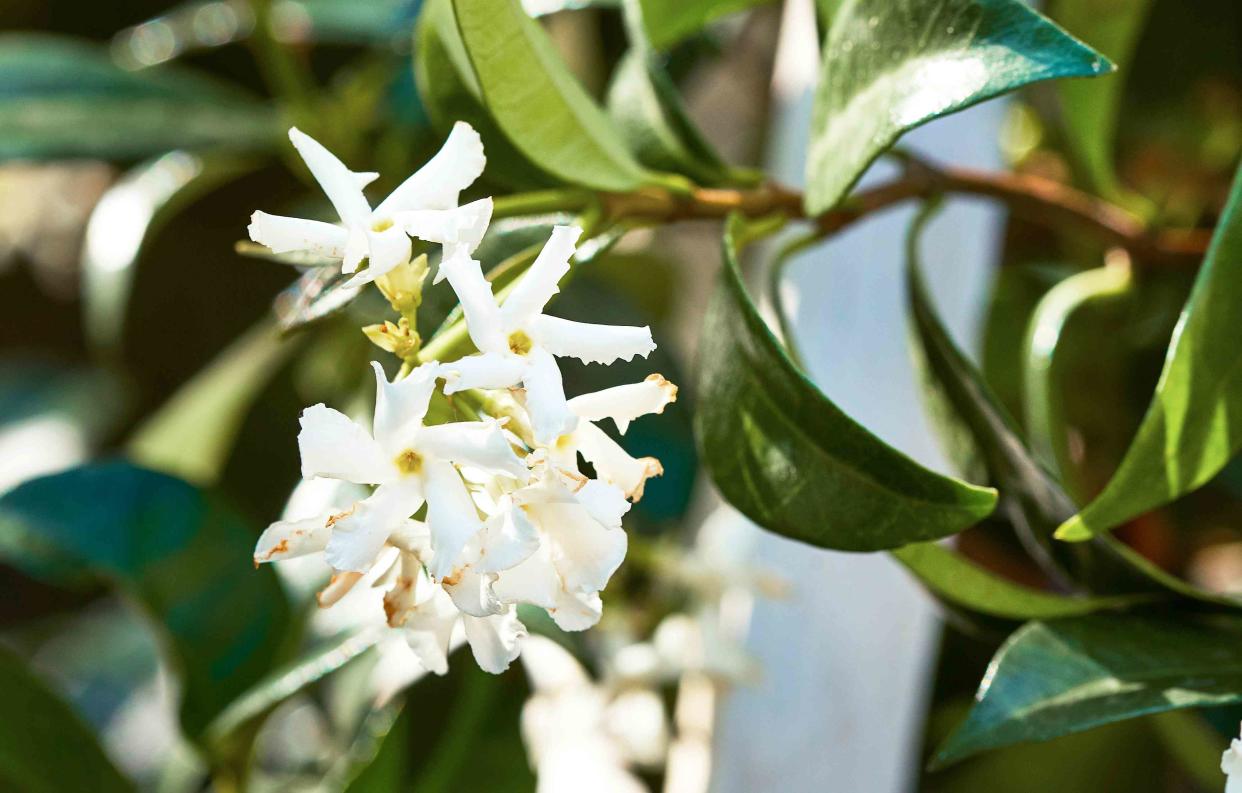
(287, 78)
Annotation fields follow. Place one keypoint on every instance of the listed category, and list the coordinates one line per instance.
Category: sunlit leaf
(891, 66)
(669, 21)
(790, 459)
(176, 550)
(1194, 424)
(65, 98)
(1063, 676)
(44, 746)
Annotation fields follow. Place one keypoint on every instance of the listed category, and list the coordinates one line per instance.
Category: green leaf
(962, 583)
(789, 459)
(669, 22)
(1089, 108)
(538, 103)
(44, 746)
(644, 103)
(890, 66)
(1064, 676)
(65, 98)
(1191, 429)
(179, 552)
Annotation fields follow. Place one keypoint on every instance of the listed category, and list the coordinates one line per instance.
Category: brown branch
(1033, 197)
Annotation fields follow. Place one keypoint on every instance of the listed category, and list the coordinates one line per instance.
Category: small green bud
(395, 337)
(403, 285)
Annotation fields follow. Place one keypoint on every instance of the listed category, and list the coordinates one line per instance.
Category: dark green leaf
(44, 746)
(65, 98)
(891, 66)
(961, 582)
(1193, 426)
(669, 21)
(1089, 108)
(791, 460)
(1064, 676)
(179, 552)
(538, 103)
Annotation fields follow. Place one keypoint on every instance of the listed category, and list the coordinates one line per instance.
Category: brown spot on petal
(651, 467)
(669, 387)
(340, 516)
(337, 588)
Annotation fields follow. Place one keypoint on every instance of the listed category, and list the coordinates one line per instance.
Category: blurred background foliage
(138, 135)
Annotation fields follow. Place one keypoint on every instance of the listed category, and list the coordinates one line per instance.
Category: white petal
(472, 592)
(577, 611)
(591, 343)
(614, 464)
(534, 581)
(438, 183)
(358, 536)
(495, 641)
(451, 516)
(429, 630)
(413, 537)
(477, 303)
(586, 553)
(459, 230)
(385, 250)
(339, 183)
(550, 667)
(283, 234)
(603, 502)
(408, 589)
(338, 587)
(545, 398)
(485, 370)
(335, 447)
(624, 403)
(537, 286)
(482, 444)
(637, 720)
(288, 539)
(508, 538)
(401, 406)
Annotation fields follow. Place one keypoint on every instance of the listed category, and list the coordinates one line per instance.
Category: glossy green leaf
(1192, 427)
(962, 583)
(176, 550)
(65, 98)
(891, 66)
(538, 103)
(669, 21)
(1089, 108)
(451, 93)
(1064, 676)
(44, 746)
(781, 452)
(644, 103)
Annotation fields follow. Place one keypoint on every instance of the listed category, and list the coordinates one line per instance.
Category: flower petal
(472, 592)
(437, 185)
(537, 286)
(591, 343)
(614, 464)
(428, 630)
(577, 611)
(495, 641)
(282, 234)
(482, 444)
(624, 403)
(342, 186)
(545, 398)
(451, 516)
(586, 553)
(534, 581)
(485, 370)
(401, 406)
(459, 230)
(603, 502)
(477, 303)
(334, 446)
(358, 535)
(287, 539)
(385, 250)
(508, 538)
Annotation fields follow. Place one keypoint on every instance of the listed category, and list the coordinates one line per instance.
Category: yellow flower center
(381, 225)
(520, 343)
(408, 462)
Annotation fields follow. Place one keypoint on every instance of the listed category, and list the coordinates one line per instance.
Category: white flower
(518, 343)
(408, 462)
(1231, 765)
(622, 404)
(581, 544)
(424, 206)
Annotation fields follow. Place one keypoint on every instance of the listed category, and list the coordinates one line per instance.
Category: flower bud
(403, 285)
(396, 338)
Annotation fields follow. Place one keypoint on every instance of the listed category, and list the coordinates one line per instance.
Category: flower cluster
(466, 519)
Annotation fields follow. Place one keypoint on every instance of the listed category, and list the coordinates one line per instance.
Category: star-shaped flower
(1231, 765)
(424, 206)
(518, 343)
(408, 462)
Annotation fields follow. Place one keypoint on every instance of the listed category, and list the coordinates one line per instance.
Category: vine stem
(1035, 197)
